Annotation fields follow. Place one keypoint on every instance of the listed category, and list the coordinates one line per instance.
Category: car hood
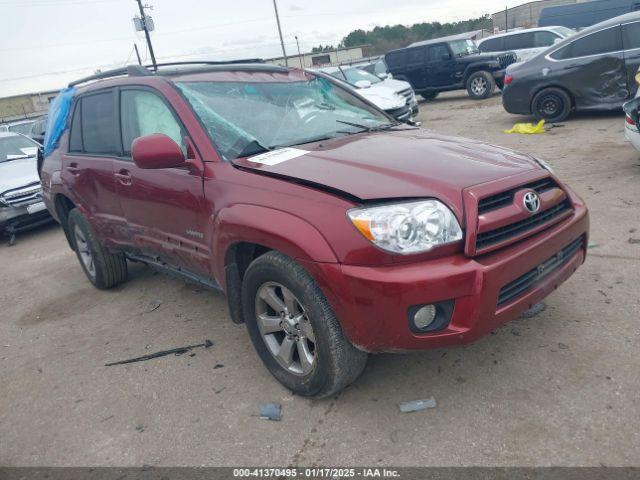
(396, 85)
(409, 163)
(18, 173)
(382, 97)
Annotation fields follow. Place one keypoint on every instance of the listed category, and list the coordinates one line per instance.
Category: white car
(382, 92)
(525, 43)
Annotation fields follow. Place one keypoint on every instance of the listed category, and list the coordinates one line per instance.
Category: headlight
(409, 227)
(543, 164)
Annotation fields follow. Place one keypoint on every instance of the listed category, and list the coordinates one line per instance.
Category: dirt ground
(561, 388)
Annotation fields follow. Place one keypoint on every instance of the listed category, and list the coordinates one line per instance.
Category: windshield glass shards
(244, 118)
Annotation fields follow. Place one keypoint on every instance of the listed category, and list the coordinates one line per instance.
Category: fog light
(424, 316)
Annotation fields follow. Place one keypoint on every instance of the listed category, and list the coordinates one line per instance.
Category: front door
(440, 65)
(164, 208)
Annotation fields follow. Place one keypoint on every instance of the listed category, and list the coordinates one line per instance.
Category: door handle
(123, 176)
(72, 168)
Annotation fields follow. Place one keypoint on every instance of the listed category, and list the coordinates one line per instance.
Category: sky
(47, 43)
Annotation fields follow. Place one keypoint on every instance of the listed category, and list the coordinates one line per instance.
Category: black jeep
(449, 63)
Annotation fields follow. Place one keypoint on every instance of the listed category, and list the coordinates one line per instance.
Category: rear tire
(551, 105)
(429, 95)
(103, 268)
(294, 329)
(480, 85)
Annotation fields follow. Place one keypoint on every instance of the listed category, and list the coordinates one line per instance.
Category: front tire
(480, 85)
(294, 329)
(551, 105)
(103, 268)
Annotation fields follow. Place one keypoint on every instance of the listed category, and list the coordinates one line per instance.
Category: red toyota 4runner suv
(333, 230)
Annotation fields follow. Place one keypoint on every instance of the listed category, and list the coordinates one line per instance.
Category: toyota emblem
(531, 202)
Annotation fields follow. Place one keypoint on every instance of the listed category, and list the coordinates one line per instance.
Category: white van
(525, 43)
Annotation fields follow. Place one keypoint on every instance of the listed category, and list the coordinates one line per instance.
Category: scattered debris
(152, 306)
(634, 241)
(527, 128)
(533, 311)
(271, 411)
(417, 405)
(174, 351)
(140, 428)
(220, 390)
(562, 346)
(593, 245)
(217, 366)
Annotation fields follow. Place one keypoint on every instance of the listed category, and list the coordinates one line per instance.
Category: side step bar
(156, 263)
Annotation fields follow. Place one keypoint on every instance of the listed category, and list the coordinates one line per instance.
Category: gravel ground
(561, 388)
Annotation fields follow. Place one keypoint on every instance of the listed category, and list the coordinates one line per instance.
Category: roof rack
(146, 70)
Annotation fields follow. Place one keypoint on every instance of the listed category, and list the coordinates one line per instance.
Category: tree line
(383, 39)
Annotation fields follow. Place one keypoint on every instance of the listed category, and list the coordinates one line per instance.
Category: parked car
(448, 63)
(22, 127)
(377, 67)
(383, 93)
(524, 43)
(38, 129)
(632, 118)
(591, 70)
(21, 204)
(584, 14)
(333, 230)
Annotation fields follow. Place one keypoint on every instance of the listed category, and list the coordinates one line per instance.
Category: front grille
(408, 94)
(525, 282)
(505, 198)
(506, 60)
(498, 235)
(401, 113)
(23, 196)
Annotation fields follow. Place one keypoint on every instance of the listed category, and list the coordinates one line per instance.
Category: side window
(144, 113)
(75, 137)
(438, 53)
(518, 41)
(604, 41)
(544, 39)
(631, 35)
(98, 124)
(492, 45)
(415, 56)
(396, 59)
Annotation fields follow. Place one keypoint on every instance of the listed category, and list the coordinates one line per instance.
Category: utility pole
(137, 54)
(284, 52)
(506, 18)
(146, 34)
(299, 54)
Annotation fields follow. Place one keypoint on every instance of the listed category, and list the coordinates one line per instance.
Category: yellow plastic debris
(528, 128)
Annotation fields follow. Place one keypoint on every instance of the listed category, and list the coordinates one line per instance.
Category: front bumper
(372, 303)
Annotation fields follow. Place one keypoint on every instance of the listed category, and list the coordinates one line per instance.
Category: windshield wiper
(253, 148)
(365, 128)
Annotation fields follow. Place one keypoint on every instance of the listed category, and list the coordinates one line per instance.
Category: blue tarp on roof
(57, 119)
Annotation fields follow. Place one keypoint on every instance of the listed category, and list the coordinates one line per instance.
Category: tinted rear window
(492, 45)
(75, 140)
(631, 35)
(518, 41)
(99, 124)
(598, 43)
(396, 59)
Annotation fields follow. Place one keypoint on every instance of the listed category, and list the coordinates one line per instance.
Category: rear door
(416, 67)
(87, 168)
(593, 69)
(164, 208)
(631, 44)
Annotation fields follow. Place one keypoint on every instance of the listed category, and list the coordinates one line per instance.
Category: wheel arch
(244, 232)
(63, 206)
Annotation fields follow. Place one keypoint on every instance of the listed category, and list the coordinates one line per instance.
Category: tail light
(638, 78)
(629, 120)
(508, 79)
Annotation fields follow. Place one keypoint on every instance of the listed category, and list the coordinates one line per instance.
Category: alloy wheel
(479, 86)
(285, 328)
(84, 251)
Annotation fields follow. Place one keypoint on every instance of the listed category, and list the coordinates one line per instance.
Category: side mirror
(156, 151)
(363, 84)
(383, 76)
(557, 40)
